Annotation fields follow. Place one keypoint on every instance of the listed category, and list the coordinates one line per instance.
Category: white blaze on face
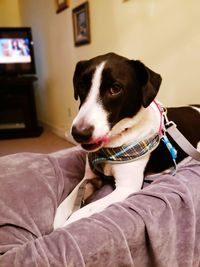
(92, 112)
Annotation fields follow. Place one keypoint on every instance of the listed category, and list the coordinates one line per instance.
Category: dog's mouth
(92, 147)
(95, 144)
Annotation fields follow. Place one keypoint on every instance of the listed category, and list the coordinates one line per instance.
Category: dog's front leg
(117, 195)
(65, 209)
(128, 179)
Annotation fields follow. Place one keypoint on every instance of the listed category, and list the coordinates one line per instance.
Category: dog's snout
(82, 134)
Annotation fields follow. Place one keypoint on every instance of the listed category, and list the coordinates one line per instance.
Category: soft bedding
(159, 226)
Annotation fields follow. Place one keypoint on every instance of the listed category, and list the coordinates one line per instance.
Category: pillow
(157, 226)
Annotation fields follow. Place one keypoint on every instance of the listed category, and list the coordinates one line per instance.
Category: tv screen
(16, 51)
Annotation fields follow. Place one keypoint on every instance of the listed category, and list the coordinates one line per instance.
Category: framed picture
(61, 5)
(81, 24)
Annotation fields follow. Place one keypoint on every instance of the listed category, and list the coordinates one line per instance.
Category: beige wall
(165, 35)
(9, 13)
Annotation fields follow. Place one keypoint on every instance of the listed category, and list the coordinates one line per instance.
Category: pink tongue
(105, 139)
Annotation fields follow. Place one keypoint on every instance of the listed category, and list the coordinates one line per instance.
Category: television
(16, 51)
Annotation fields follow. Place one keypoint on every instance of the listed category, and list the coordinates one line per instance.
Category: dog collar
(124, 153)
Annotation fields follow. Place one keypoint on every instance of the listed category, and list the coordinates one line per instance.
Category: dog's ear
(149, 80)
(78, 69)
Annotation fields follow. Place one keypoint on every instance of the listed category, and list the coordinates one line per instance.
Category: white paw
(79, 214)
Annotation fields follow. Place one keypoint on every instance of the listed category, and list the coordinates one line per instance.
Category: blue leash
(172, 151)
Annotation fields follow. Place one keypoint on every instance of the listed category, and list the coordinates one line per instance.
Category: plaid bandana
(124, 153)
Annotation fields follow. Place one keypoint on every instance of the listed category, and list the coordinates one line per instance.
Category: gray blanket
(158, 226)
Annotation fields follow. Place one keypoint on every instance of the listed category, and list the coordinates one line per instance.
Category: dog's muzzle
(82, 134)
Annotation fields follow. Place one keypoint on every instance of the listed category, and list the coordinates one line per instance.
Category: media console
(18, 117)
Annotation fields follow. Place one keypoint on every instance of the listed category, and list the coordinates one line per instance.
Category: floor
(48, 142)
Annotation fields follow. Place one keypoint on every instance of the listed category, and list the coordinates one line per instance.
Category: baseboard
(69, 138)
(58, 131)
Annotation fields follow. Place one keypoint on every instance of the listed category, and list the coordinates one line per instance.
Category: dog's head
(110, 88)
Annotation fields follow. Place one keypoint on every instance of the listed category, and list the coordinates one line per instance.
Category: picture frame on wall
(81, 24)
(61, 5)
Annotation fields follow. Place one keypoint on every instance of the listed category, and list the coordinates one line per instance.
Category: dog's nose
(82, 134)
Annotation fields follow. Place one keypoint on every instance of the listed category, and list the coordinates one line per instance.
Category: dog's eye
(115, 89)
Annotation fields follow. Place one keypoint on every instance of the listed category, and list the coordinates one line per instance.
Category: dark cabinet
(17, 108)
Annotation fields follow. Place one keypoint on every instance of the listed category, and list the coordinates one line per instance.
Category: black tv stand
(18, 117)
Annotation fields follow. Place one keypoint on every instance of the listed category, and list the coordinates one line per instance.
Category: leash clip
(170, 124)
(166, 122)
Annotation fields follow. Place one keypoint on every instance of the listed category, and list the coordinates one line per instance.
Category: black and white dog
(117, 109)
